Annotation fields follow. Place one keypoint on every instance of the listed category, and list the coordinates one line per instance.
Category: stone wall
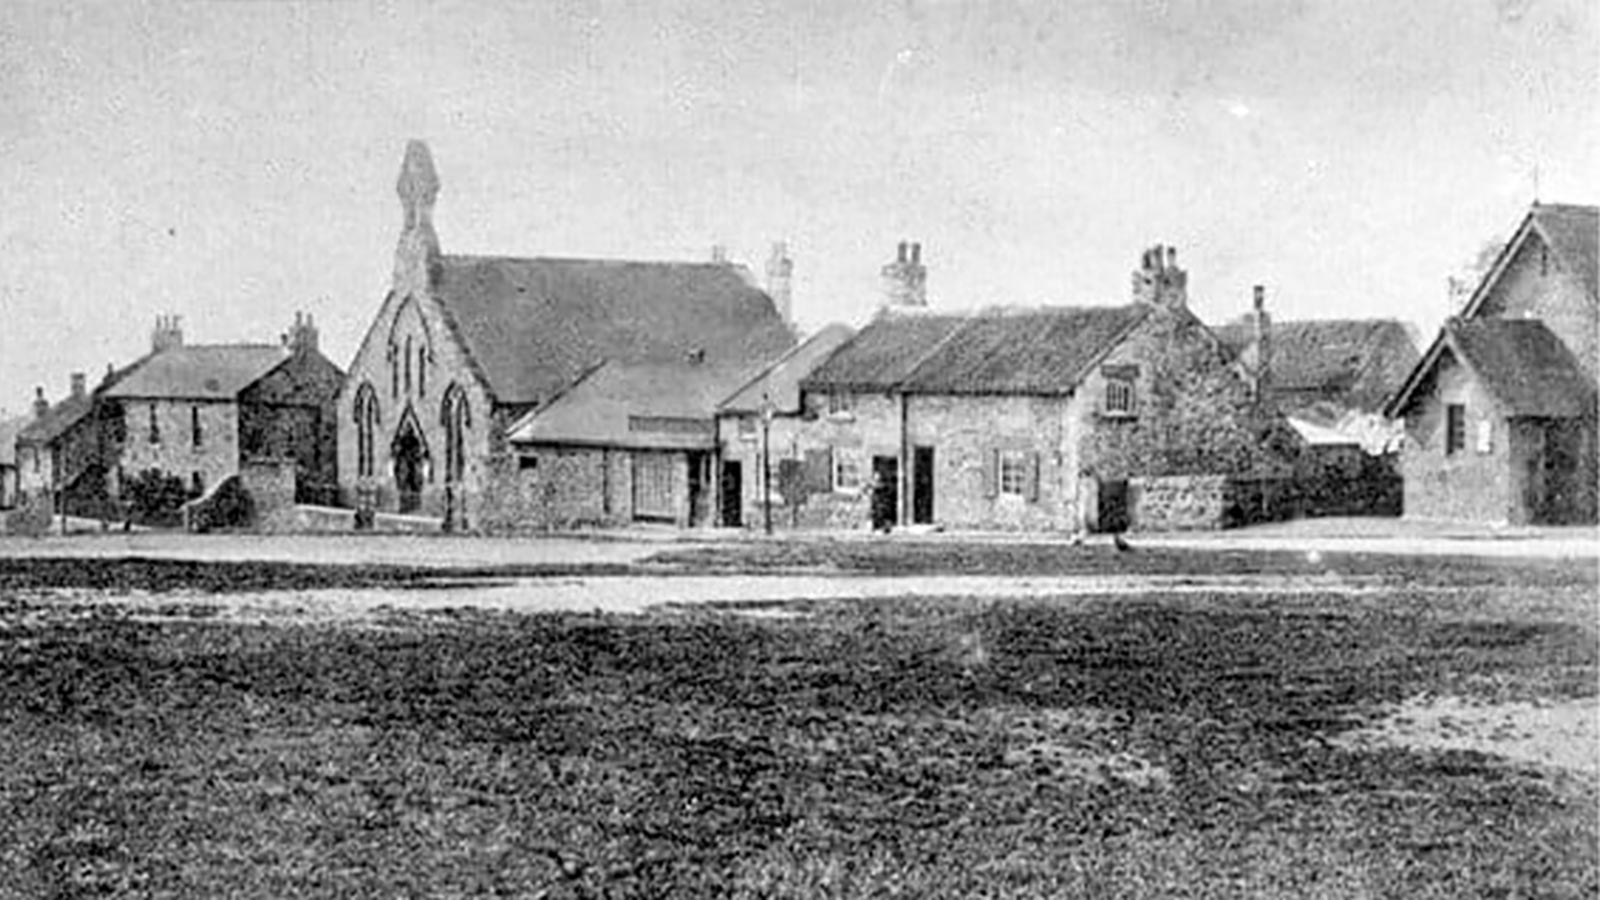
(171, 447)
(551, 488)
(291, 413)
(1468, 484)
(968, 433)
(1178, 503)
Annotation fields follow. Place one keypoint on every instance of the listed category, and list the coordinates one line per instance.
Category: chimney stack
(40, 404)
(905, 281)
(78, 381)
(719, 254)
(1158, 280)
(302, 336)
(780, 272)
(168, 334)
(1259, 359)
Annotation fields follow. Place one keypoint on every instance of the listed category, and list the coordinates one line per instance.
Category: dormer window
(841, 403)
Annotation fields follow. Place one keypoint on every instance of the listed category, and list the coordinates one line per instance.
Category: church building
(463, 347)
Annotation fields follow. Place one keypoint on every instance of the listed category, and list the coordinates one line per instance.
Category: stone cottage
(199, 412)
(759, 427)
(464, 347)
(1015, 418)
(1500, 412)
(9, 429)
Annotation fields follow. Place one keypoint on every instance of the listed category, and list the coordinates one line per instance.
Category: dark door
(885, 492)
(1113, 507)
(408, 470)
(922, 486)
(731, 492)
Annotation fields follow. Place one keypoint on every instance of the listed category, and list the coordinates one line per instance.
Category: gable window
(422, 371)
(1014, 472)
(1120, 398)
(195, 435)
(1455, 428)
(155, 428)
(846, 473)
(408, 365)
(841, 403)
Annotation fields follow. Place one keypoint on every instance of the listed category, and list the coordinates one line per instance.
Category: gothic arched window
(455, 414)
(366, 416)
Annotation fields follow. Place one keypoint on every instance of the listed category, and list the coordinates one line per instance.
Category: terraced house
(496, 392)
(1501, 411)
(1008, 418)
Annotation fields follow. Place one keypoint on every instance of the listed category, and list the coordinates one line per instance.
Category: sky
(234, 163)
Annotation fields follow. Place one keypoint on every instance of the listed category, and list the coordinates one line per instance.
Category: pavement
(631, 545)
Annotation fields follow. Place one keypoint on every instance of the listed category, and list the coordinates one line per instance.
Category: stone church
(464, 346)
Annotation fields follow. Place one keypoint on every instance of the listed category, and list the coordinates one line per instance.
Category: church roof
(535, 326)
(198, 372)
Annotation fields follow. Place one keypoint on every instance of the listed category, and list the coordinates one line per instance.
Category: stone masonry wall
(1178, 503)
(1466, 485)
(966, 433)
(174, 450)
(565, 488)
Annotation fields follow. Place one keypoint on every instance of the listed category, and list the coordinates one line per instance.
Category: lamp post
(767, 412)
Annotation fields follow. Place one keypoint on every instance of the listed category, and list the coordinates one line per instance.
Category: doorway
(922, 486)
(885, 492)
(730, 494)
(1112, 507)
(409, 459)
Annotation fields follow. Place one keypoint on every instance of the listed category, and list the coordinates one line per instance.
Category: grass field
(1177, 746)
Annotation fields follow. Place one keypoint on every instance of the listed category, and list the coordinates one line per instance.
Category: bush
(156, 499)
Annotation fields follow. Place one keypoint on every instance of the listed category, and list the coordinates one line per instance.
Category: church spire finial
(417, 257)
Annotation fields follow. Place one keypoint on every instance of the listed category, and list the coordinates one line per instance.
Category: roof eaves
(1507, 253)
(1401, 399)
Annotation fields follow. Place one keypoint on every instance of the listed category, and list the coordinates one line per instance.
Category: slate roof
(781, 380)
(1354, 363)
(534, 326)
(1519, 361)
(198, 372)
(612, 406)
(885, 352)
(56, 421)
(1037, 351)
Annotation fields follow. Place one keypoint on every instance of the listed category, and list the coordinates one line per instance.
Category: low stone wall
(32, 515)
(270, 485)
(1178, 503)
(308, 519)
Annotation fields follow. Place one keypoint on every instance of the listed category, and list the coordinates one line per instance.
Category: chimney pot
(1172, 257)
(916, 253)
(40, 404)
(78, 384)
(900, 254)
(1260, 297)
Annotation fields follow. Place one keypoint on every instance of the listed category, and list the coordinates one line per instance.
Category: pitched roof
(885, 352)
(198, 372)
(1573, 232)
(1520, 362)
(637, 405)
(1034, 351)
(534, 326)
(781, 381)
(1356, 363)
(57, 420)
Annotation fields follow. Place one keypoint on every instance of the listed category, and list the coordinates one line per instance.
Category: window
(1119, 397)
(841, 403)
(408, 365)
(422, 371)
(1455, 428)
(528, 463)
(1014, 472)
(456, 417)
(846, 473)
(197, 484)
(195, 435)
(366, 416)
(155, 428)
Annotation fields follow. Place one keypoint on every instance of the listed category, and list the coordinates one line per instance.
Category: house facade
(1500, 412)
(464, 348)
(1005, 419)
(199, 412)
(58, 452)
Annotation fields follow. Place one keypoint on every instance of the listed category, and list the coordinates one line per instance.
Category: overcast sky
(235, 162)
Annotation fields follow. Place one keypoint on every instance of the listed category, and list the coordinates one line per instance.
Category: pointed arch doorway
(410, 455)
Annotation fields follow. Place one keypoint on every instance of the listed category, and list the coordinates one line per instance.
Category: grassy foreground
(1180, 746)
